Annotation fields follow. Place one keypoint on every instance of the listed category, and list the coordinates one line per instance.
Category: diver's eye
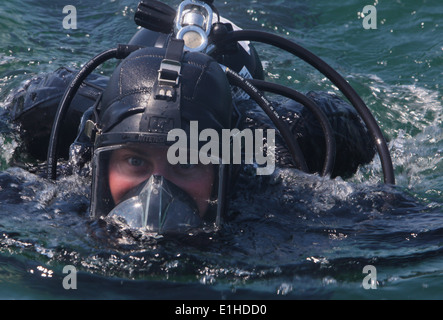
(135, 161)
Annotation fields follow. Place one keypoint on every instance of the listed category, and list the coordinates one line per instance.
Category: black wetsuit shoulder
(35, 104)
(354, 145)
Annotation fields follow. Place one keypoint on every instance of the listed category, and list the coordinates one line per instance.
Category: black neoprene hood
(128, 105)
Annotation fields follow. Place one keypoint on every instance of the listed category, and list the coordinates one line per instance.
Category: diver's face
(131, 166)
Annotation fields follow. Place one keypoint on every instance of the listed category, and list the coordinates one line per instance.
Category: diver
(166, 81)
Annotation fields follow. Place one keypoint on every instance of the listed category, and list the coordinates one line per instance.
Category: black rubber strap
(174, 51)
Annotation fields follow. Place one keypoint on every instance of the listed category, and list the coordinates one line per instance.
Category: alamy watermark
(70, 281)
(217, 150)
(70, 21)
(370, 281)
(369, 15)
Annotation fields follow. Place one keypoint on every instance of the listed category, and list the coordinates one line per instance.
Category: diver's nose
(161, 167)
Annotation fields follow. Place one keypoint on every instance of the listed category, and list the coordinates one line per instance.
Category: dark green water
(311, 241)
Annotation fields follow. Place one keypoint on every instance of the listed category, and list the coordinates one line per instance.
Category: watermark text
(370, 281)
(70, 21)
(227, 149)
(369, 15)
(70, 281)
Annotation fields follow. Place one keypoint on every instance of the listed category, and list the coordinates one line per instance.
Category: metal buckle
(171, 69)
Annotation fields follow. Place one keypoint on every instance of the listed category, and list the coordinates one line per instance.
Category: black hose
(223, 185)
(65, 103)
(333, 76)
(296, 153)
(318, 113)
(120, 52)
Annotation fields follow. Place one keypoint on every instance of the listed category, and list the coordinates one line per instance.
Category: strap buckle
(169, 73)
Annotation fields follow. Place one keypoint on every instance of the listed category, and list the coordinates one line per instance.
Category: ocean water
(294, 236)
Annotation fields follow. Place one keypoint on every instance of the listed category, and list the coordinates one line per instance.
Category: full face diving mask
(156, 204)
